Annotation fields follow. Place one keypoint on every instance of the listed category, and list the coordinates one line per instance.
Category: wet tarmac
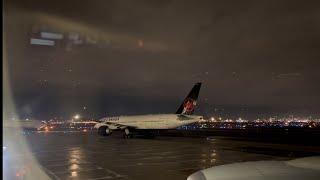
(85, 155)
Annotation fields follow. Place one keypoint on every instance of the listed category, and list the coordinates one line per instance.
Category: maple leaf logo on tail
(189, 104)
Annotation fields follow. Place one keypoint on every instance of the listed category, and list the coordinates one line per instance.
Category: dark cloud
(149, 53)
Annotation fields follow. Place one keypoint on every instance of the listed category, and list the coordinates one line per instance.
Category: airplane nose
(197, 176)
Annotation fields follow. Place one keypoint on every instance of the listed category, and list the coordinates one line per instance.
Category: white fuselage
(158, 121)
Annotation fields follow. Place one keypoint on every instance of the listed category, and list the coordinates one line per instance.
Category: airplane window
(125, 89)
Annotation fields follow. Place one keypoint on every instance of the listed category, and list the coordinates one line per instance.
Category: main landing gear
(127, 134)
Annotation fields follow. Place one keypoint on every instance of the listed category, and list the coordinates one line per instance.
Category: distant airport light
(41, 42)
(49, 35)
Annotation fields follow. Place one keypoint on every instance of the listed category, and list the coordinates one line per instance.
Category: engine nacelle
(104, 131)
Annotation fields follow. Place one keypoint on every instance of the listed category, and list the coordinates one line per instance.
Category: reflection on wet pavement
(89, 156)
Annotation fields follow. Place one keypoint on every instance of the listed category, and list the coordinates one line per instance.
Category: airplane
(301, 168)
(146, 124)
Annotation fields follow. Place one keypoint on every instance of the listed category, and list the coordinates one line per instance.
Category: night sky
(255, 58)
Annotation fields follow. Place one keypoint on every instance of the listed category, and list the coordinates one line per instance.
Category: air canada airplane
(146, 124)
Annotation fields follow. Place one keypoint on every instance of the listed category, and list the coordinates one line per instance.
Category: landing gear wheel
(128, 136)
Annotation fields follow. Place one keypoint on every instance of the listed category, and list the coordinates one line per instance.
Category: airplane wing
(113, 125)
(182, 117)
(302, 168)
